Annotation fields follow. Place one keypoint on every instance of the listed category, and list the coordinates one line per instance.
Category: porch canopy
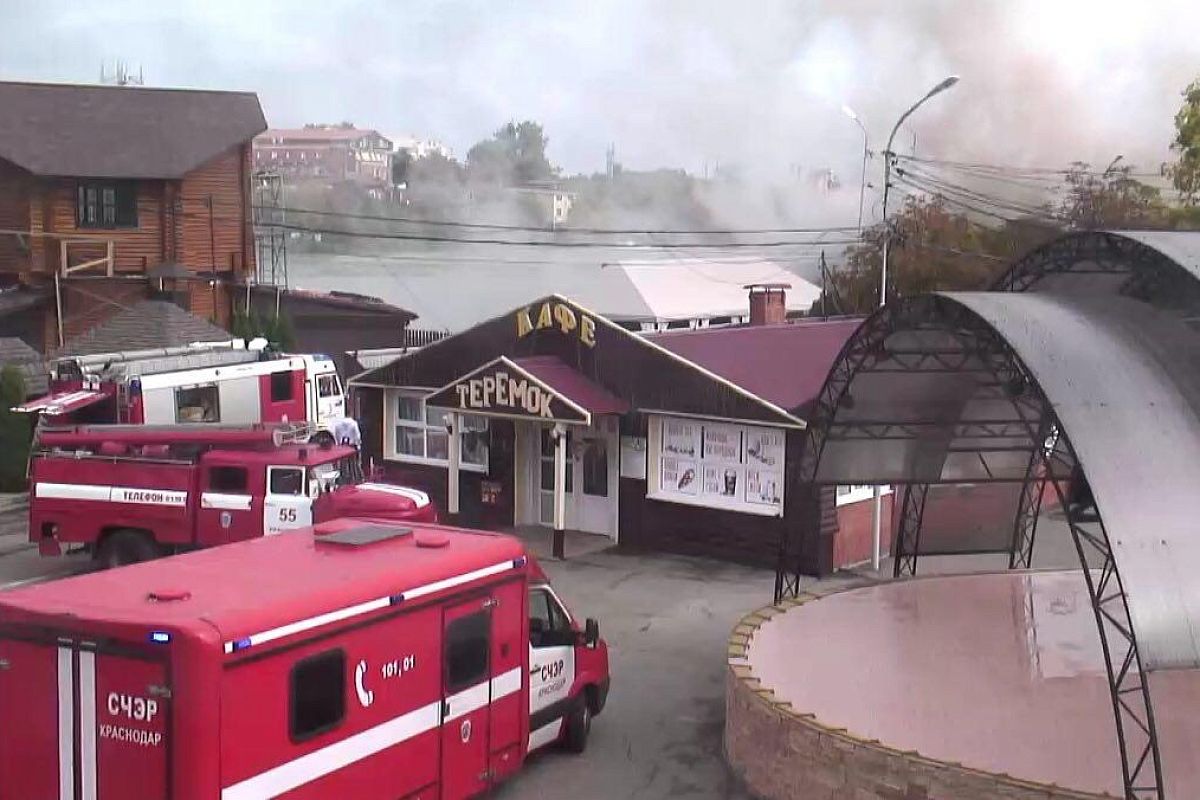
(536, 388)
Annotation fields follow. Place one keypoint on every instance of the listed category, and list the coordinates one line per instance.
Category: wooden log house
(111, 194)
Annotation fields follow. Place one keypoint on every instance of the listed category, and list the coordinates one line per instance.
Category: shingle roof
(144, 326)
(121, 131)
(785, 364)
(16, 352)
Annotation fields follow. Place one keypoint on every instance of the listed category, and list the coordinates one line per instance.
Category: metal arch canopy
(1096, 386)
(1124, 381)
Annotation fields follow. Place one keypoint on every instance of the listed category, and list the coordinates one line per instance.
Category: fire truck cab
(227, 382)
(358, 660)
(135, 492)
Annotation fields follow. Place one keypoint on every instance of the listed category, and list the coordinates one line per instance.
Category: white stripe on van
(66, 725)
(319, 763)
(87, 724)
(371, 605)
(230, 502)
(111, 494)
(416, 495)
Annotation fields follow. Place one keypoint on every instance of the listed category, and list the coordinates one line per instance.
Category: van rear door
(33, 707)
(80, 722)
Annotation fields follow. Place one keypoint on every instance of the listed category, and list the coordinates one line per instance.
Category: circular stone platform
(982, 686)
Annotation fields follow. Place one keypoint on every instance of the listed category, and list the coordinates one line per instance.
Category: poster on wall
(722, 443)
(764, 448)
(717, 465)
(680, 438)
(679, 476)
(762, 487)
(722, 481)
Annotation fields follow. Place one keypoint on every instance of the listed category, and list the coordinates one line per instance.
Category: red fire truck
(355, 660)
(212, 382)
(134, 492)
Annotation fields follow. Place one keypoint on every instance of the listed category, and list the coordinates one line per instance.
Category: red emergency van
(355, 660)
(135, 492)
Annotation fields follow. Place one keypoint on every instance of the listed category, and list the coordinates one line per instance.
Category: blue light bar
(396, 599)
(241, 644)
(160, 637)
(519, 562)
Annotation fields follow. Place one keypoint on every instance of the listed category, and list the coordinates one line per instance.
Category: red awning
(61, 402)
(572, 384)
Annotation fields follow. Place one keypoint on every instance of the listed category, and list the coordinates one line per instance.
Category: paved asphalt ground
(666, 619)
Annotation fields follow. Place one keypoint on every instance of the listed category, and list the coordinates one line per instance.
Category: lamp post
(887, 174)
(877, 515)
(862, 188)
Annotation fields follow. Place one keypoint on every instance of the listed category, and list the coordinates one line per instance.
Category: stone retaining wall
(783, 754)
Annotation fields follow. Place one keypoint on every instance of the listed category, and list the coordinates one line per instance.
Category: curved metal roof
(1124, 381)
(1146, 264)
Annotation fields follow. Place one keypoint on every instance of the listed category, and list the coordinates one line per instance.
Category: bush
(15, 431)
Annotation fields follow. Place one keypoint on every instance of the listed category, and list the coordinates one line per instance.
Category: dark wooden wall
(14, 215)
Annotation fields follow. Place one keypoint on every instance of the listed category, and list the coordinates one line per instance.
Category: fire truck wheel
(579, 724)
(126, 547)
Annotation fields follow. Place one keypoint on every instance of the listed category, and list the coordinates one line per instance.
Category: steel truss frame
(1150, 275)
(1052, 459)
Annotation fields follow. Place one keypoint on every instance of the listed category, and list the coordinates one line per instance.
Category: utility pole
(876, 494)
(824, 312)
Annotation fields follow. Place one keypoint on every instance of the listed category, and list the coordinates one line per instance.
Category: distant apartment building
(419, 148)
(554, 202)
(330, 152)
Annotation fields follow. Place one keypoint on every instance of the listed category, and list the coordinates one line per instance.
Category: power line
(562, 229)
(1013, 169)
(389, 236)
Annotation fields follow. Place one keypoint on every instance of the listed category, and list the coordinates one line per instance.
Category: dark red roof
(551, 371)
(784, 364)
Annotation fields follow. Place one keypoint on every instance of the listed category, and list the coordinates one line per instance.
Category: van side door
(229, 511)
(466, 697)
(551, 665)
(287, 504)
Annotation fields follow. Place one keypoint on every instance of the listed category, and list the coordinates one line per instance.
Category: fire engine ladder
(292, 433)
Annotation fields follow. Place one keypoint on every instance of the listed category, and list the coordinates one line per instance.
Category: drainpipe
(560, 490)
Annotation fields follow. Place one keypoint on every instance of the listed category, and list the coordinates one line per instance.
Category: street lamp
(887, 174)
(877, 516)
(849, 112)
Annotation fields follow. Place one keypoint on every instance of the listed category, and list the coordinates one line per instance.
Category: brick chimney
(768, 303)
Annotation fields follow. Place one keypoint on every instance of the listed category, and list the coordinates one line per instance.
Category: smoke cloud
(755, 88)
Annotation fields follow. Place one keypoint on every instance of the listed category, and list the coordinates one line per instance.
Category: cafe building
(552, 415)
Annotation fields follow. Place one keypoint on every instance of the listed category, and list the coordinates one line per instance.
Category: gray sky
(672, 83)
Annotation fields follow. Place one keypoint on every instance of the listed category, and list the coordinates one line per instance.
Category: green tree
(1185, 173)
(15, 431)
(932, 249)
(1112, 199)
(516, 154)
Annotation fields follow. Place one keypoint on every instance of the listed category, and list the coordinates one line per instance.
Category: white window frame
(857, 493)
(392, 421)
(655, 491)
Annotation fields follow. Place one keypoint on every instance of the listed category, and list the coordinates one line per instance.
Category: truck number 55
(287, 515)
